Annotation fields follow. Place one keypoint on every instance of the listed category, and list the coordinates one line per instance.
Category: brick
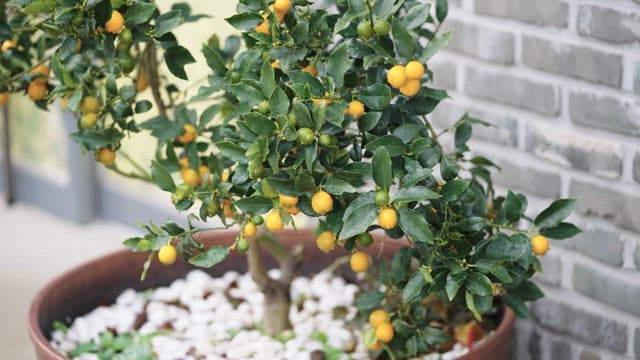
(616, 291)
(560, 349)
(589, 355)
(597, 156)
(637, 256)
(504, 130)
(573, 61)
(527, 179)
(636, 167)
(605, 112)
(601, 244)
(506, 89)
(586, 326)
(541, 12)
(552, 270)
(620, 208)
(608, 24)
(482, 43)
(444, 74)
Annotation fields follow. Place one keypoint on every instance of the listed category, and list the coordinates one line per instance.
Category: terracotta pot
(99, 282)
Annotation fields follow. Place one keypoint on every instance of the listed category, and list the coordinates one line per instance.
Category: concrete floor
(37, 246)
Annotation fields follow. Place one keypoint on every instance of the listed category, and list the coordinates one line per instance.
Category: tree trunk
(276, 307)
(277, 300)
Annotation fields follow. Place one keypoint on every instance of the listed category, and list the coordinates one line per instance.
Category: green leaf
(416, 176)
(462, 134)
(305, 183)
(247, 94)
(382, 8)
(138, 13)
(162, 177)
(338, 64)
(452, 190)
(528, 291)
(435, 45)
(232, 151)
(555, 213)
(478, 283)
(337, 186)
(505, 248)
(212, 256)
(255, 205)
(434, 336)
(452, 286)
(415, 225)
(303, 116)
(369, 300)
(214, 60)
(376, 97)
(517, 305)
(259, 124)
(168, 21)
(245, 21)
(402, 40)
(176, 58)
(472, 306)
(267, 78)
(442, 9)
(417, 16)
(279, 102)
(381, 168)
(360, 201)
(413, 288)
(512, 207)
(416, 193)
(358, 221)
(393, 145)
(561, 231)
(345, 20)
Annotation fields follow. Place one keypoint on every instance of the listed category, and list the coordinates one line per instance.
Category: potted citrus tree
(323, 114)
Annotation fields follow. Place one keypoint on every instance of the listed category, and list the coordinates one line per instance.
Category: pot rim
(40, 339)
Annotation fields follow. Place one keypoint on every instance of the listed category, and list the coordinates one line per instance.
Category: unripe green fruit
(242, 245)
(304, 136)
(77, 20)
(365, 239)
(257, 219)
(234, 76)
(292, 120)
(382, 27)
(144, 244)
(326, 140)
(126, 63)
(125, 36)
(88, 120)
(365, 30)
(264, 107)
(382, 198)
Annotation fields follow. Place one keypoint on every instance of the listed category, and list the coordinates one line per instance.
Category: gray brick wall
(560, 79)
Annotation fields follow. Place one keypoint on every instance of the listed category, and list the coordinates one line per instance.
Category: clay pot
(99, 282)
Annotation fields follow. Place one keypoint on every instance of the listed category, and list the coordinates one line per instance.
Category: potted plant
(324, 115)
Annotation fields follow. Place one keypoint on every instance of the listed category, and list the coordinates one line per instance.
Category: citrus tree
(323, 113)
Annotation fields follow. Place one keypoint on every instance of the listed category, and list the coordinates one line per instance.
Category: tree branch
(256, 264)
(150, 59)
